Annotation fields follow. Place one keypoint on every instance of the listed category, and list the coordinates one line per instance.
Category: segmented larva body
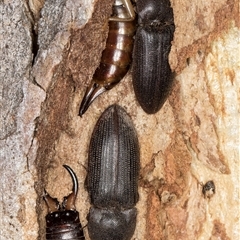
(117, 56)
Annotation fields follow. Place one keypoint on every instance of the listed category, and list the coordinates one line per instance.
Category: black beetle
(112, 179)
(151, 72)
(62, 220)
(117, 56)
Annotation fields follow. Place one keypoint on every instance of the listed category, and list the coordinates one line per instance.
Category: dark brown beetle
(63, 220)
(151, 73)
(112, 179)
(117, 56)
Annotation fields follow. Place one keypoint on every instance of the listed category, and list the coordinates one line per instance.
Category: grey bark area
(19, 109)
(49, 52)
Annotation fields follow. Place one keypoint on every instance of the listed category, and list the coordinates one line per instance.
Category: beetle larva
(62, 220)
(151, 72)
(117, 56)
(113, 169)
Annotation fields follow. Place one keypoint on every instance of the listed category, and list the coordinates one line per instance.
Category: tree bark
(49, 52)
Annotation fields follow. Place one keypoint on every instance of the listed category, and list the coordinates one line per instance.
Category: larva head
(59, 214)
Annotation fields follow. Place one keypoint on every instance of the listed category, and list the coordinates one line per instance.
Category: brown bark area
(194, 138)
(56, 118)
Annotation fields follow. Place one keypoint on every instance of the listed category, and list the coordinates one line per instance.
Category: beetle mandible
(151, 72)
(63, 220)
(117, 56)
(113, 169)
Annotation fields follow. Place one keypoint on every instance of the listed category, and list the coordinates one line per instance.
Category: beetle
(208, 189)
(117, 56)
(112, 178)
(151, 73)
(62, 220)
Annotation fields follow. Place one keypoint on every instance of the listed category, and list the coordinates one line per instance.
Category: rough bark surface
(49, 52)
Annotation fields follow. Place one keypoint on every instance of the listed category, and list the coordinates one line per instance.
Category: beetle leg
(52, 203)
(69, 201)
(93, 91)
